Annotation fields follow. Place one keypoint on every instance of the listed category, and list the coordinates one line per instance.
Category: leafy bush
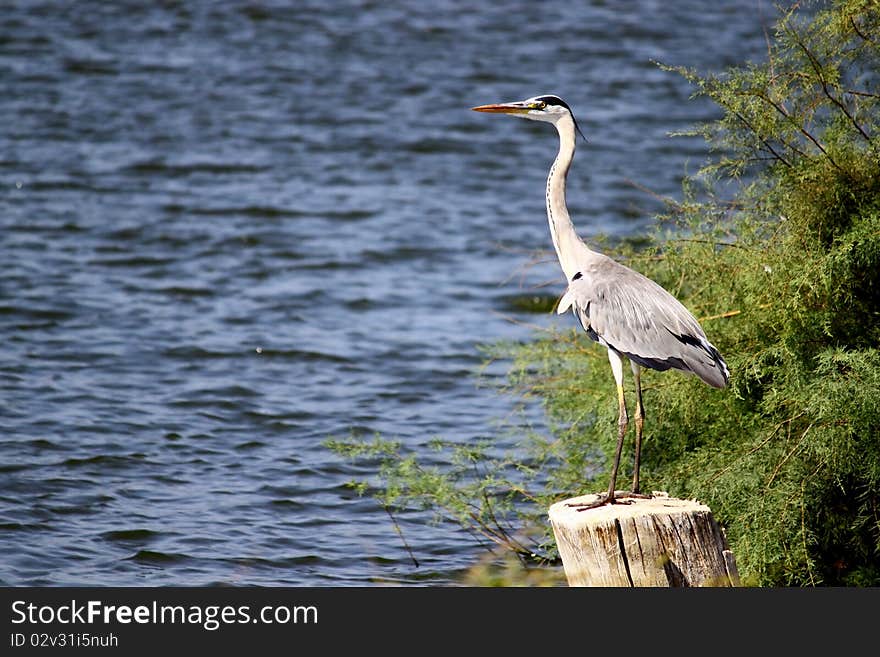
(786, 281)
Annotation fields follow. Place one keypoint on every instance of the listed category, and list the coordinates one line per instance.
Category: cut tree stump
(657, 541)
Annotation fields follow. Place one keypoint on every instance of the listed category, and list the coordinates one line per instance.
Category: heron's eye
(539, 105)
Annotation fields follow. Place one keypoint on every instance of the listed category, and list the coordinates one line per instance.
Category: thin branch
(729, 313)
(769, 50)
(667, 200)
(400, 533)
(756, 448)
(788, 456)
(804, 535)
(867, 94)
(514, 320)
(818, 70)
(713, 242)
(766, 143)
(781, 109)
(856, 29)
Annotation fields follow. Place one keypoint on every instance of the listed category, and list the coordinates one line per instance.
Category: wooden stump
(660, 541)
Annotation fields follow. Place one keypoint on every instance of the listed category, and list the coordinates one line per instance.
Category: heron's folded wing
(579, 296)
(641, 320)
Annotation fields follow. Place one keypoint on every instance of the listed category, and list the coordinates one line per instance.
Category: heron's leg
(622, 421)
(622, 418)
(640, 422)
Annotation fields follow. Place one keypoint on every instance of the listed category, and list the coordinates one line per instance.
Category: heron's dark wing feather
(639, 319)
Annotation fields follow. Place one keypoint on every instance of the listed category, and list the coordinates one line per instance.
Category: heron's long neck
(566, 241)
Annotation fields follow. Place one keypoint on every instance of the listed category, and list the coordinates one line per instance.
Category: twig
(804, 536)
(766, 143)
(510, 541)
(865, 37)
(784, 112)
(713, 242)
(400, 533)
(729, 313)
(818, 70)
(776, 429)
(513, 320)
(854, 92)
(667, 200)
(788, 456)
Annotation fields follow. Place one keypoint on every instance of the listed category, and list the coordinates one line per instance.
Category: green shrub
(785, 278)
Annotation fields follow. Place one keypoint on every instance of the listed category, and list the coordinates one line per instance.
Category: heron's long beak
(503, 108)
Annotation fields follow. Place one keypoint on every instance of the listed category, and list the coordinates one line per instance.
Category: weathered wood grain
(659, 541)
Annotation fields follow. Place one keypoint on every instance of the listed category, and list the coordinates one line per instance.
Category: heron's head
(547, 108)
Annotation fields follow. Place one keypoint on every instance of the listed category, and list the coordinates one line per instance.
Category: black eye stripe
(554, 100)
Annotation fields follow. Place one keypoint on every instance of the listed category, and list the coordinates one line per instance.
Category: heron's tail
(709, 365)
(697, 356)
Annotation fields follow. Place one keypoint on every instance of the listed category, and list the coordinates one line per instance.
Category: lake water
(232, 230)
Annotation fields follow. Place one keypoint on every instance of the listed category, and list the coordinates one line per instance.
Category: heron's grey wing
(579, 297)
(639, 319)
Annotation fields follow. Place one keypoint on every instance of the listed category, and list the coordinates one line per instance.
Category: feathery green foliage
(785, 279)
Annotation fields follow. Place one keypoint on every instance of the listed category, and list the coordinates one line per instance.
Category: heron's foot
(620, 497)
(636, 495)
(602, 500)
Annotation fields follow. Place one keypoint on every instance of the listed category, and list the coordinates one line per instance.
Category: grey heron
(626, 312)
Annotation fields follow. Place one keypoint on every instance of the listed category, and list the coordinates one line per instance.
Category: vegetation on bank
(785, 279)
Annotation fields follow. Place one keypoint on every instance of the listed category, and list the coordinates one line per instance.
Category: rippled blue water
(231, 230)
